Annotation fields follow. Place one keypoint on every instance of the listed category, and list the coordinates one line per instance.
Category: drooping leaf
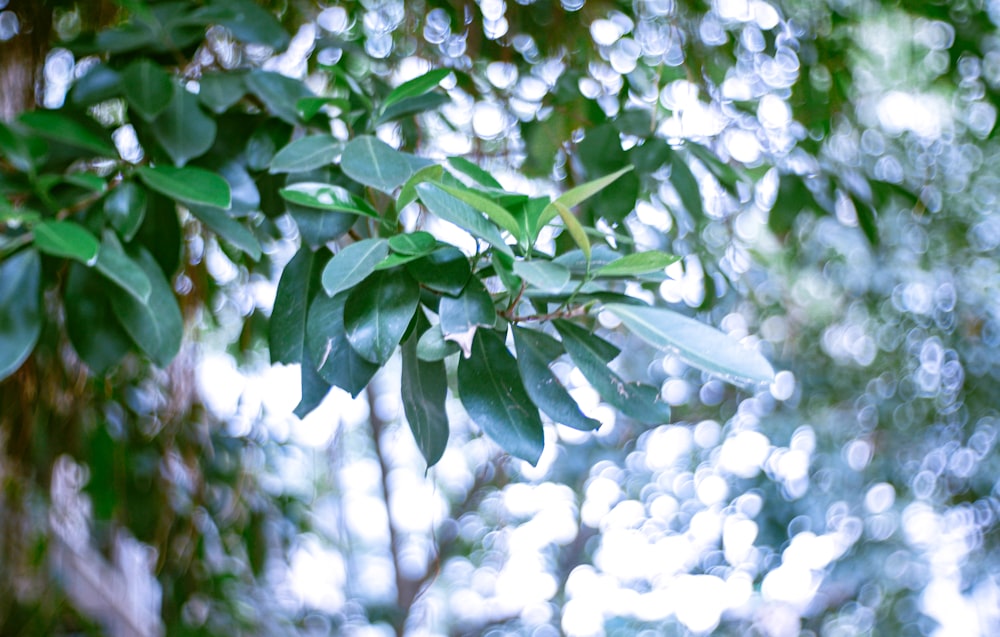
(589, 353)
(183, 129)
(116, 266)
(353, 264)
(573, 227)
(188, 185)
(229, 229)
(91, 324)
(445, 270)
(491, 390)
(148, 88)
(306, 153)
(462, 215)
(408, 193)
(287, 328)
(638, 263)
(279, 94)
(327, 348)
(60, 128)
(496, 213)
(125, 208)
(156, 325)
(694, 342)
(377, 313)
(20, 309)
(543, 275)
(542, 385)
(66, 239)
(371, 162)
(463, 314)
(579, 194)
(314, 387)
(424, 390)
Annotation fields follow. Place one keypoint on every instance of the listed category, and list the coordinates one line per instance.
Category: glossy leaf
(496, 213)
(188, 185)
(20, 309)
(636, 264)
(413, 243)
(424, 390)
(447, 207)
(353, 264)
(371, 162)
(328, 350)
(324, 197)
(542, 385)
(433, 347)
(377, 313)
(287, 327)
(468, 168)
(125, 208)
(306, 153)
(91, 324)
(462, 315)
(57, 127)
(119, 268)
(66, 239)
(445, 270)
(156, 325)
(590, 354)
(490, 388)
(183, 129)
(148, 88)
(694, 342)
(543, 275)
(229, 229)
(279, 94)
(314, 387)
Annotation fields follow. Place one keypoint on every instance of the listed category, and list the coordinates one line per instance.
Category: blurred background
(858, 495)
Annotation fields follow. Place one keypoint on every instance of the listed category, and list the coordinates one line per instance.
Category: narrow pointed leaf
(542, 385)
(698, 344)
(314, 387)
(156, 326)
(377, 313)
(306, 153)
(371, 162)
(417, 86)
(496, 213)
(411, 106)
(327, 348)
(466, 167)
(353, 264)
(579, 194)
(188, 185)
(574, 227)
(491, 390)
(455, 211)
(424, 391)
(66, 239)
(636, 264)
(20, 309)
(686, 185)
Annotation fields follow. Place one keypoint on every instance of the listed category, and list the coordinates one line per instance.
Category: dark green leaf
(445, 270)
(229, 229)
(327, 347)
(60, 128)
(372, 162)
(353, 264)
(188, 185)
(219, 91)
(18, 149)
(248, 22)
(461, 315)
(635, 264)
(287, 328)
(148, 88)
(156, 326)
(694, 342)
(93, 329)
(725, 173)
(279, 93)
(120, 269)
(125, 208)
(314, 387)
(160, 232)
(100, 83)
(377, 313)
(20, 309)
(424, 390)
(534, 351)
(183, 129)
(686, 185)
(412, 106)
(417, 86)
(306, 153)
(491, 390)
(66, 239)
(867, 219)
(462, 215)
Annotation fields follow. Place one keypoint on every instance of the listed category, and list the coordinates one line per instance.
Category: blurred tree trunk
(22, 56)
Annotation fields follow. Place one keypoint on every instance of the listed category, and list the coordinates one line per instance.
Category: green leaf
(309, 107)
(867, 219)
(93, 329)
(120, 269)
(686, 185)
(125, 208)
(636, 264)
(60, 128)
(543, 275)
(496, 213)
(353, 264)
(18, 150)
(490, 388)
(725, 173)
(590, 354)
(461, 315)
(280, 94)
(698, 344)
(247, 21)
(445, 270)
(183, 129)
(156, 326)
(188, 185)
(433, 347)
(100, 83)
(160, 232)
(577, 195)
(287, 328)
(66, 239)
(424, 390)
(229, 229)
(324, 197)
(377, 313)
(306, 153)
(408, 193)
(314, 387)
(219, 91)
(542, 385)
(417, 243)
(372, 162)
(466, 167)
(462, 215)
(574, 227)
(148, 88)
(417, 86)
(20, 309)
(327, 347)
(412, 106)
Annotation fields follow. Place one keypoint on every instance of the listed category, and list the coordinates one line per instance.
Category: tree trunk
(23, 55)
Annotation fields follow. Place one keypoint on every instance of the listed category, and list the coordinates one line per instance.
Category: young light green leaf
(542, 385)
(694, 342)
(324, 197)
(188, 185)
(424, 390)
(327, 347)
(148, 88)
(20, 309)
(462, 215)
(408, 193)
(543, 275)
(496, 213)
(116, 266)
(371, 162)
(156, 325)
(377, 313)
(579, 194)
(183, 129)
(306, 153)
(574, 227)
(637, 264)
(66, 239)
(491, 390)
(353, 264)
